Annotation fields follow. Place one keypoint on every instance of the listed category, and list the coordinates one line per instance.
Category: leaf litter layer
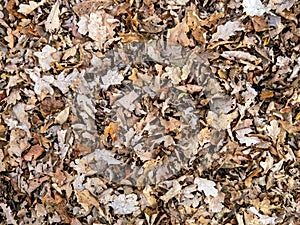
(149, 112)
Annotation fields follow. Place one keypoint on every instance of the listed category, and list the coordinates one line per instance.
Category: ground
(149, 112)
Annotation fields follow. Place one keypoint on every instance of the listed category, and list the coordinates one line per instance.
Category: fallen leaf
(239, 55)
(281, 5)
(242, 136)
(88, 6)
(8, 214)
(253, 7)
(45, 57)
(178, 35)
(266, 94)
(112, 77)
(263, 219)
(28, 8)
(33, 184)
(207, 186)
(259, 23)
(62, 117)
(86, 200)
(52, 23)
(172, 192)
(215, 203)
(33, 153)
(228, 29)
(124, 204)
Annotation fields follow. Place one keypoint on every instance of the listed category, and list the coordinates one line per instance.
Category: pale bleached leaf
(62, 117)
(263, 219)
(45, 57)
(207, 186)
(228, 29)
(52, 23)
(172, 192)
(8, 214)
(253, 7)
(242, 136)
(31, 6)
(281, 5)
(124, 204)
(112, 77)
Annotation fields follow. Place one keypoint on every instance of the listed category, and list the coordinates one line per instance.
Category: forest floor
(149, 112)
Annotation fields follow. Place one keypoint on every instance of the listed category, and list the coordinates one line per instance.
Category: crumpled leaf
(207, 186)
(221, 121)
(124, 204)
(22, 116)
(34, 152)
(228, 29)
(28, 8)
(273, 130)
(89, 6)
(87, 201)
(45, 57)
(253, 7)
(52, 23)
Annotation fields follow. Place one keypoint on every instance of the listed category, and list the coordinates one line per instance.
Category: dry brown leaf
(87, 201)
(33, 184)
(248, 180)
(259, 24)
(178, 35)
(112, 130)
(266, 94)
(34, 152)
(88, 6)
